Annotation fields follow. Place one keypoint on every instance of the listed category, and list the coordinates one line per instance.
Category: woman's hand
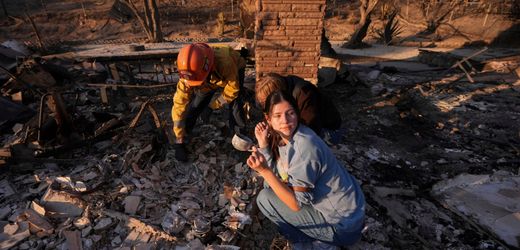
(261, 134)
(256, 161)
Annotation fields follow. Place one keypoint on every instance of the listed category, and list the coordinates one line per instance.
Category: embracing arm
(309, 103)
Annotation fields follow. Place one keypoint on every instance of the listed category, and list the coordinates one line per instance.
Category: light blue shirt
(310, 163)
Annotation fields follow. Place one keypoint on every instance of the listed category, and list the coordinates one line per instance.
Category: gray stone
(103, 224)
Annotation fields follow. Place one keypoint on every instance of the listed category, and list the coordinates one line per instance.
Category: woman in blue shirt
(310, 195)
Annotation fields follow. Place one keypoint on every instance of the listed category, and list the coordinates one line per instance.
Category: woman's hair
(273, 99)
(268, 84)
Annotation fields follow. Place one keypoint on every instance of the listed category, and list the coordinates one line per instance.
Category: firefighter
(203, 70)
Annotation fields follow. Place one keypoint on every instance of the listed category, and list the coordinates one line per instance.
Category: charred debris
(86, 159)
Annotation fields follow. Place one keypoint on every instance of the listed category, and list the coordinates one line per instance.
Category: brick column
(288, 36)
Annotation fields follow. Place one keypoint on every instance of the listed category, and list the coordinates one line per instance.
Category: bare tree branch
(151, 20)
(365, 10)
(132, 6)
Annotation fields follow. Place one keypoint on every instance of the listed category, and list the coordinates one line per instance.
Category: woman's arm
(258, 163)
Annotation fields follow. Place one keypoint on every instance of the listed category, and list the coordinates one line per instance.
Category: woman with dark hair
(309, 195)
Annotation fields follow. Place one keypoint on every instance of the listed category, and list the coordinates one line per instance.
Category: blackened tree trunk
(247, 17)
(151, 20)
(436, 12)
(365, 10)
(154, 20)
(325, 46)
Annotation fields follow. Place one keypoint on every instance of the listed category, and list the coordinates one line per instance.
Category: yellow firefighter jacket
(224, 75)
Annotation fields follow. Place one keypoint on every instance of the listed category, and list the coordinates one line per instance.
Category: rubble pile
(408, 131)
(82, 173)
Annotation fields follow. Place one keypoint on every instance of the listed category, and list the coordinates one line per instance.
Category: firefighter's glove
(180, 152)
(217, 103)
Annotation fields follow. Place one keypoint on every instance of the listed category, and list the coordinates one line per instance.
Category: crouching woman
(309, 195)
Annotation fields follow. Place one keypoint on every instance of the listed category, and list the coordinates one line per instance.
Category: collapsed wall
(288, 37)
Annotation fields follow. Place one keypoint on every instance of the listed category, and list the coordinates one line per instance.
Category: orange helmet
(194, 63)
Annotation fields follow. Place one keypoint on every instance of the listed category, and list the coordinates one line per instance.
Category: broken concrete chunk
(374, 74)
(489, 200)
(10, 229)
(6, 189)
(187, 204)
(396, 210)
(131, 238)
(90, 176)
(137, 183)
(7, 241)
(195, 244)
(25, 246)
(222, 200)
(116, 241)
(96, 237)
(139, 225)
(377, 89)
(103, 224)
(86, 231)
(40, 188)
(73, 240)
(201, 225)
(238, 220)
(37, 224)
(173, 223)
(14, 216)
(60, 204)
(144, 246)
(131, 204)
(89, 243)
(227, 236)
(4, 212)
(37, 208)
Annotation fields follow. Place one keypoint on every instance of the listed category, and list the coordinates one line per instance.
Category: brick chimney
(288, 36)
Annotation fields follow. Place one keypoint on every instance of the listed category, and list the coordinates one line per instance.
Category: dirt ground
(90, 21)
(404, 132)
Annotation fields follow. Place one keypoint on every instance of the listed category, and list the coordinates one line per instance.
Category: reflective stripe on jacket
(224, 75)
